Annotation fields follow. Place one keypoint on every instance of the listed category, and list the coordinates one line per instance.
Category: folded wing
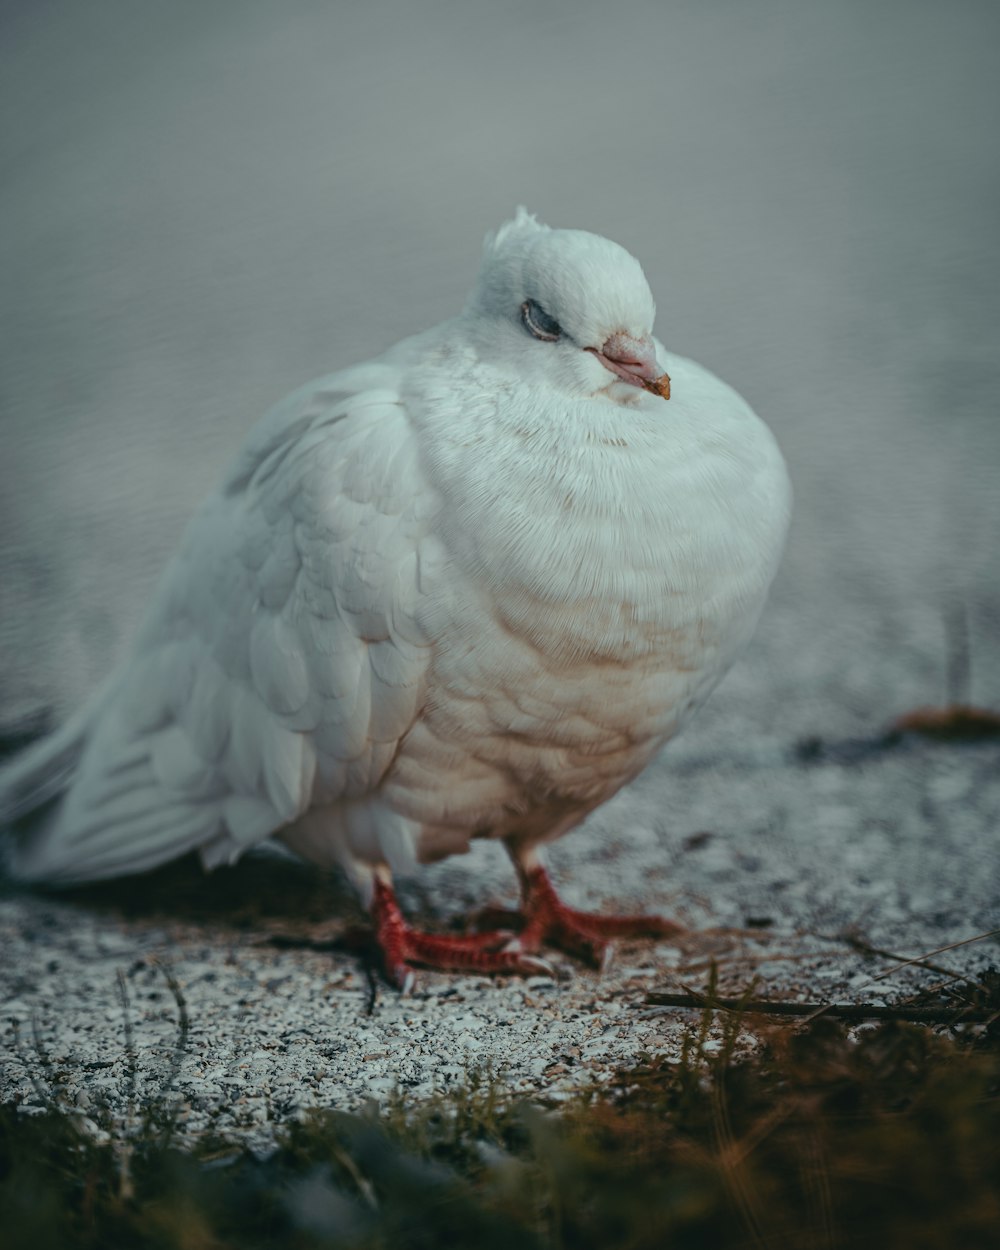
(280, 664)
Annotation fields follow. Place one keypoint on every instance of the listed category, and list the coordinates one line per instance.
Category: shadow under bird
(467, 589)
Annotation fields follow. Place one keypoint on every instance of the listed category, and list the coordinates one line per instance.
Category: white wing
(280, 663)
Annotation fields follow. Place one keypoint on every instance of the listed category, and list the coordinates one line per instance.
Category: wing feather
(178, 766)
(282, 659)
(207, 717)
(278, 663)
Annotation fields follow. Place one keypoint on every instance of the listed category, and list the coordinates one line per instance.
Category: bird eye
(538, 322)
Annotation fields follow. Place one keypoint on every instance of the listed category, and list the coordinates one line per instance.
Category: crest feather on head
(522, 222)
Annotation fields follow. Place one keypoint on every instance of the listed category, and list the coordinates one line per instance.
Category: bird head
(568, 306)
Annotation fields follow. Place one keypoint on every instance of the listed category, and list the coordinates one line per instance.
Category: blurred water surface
(203, 206)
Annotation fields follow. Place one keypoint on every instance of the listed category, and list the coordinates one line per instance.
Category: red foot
(585, 935)
(402, 946)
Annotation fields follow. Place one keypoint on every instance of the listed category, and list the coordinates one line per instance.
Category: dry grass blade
(814, 1172)
(858, 943)
(941, 950)
(365, 1188)
(732, 1154)
(730, 1160)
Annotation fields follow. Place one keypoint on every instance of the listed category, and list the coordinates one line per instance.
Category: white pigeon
(465, 590)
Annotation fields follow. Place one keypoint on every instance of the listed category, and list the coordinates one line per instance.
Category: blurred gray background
(204, 205)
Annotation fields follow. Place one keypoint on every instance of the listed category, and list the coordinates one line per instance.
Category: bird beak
(634, 361)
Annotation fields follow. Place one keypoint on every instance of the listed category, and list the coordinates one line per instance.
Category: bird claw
(402, 946)
(588, 936)
(532, 963)
(547, 921)
(429, 950)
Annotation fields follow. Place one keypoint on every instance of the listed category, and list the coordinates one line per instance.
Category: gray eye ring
(538, 322)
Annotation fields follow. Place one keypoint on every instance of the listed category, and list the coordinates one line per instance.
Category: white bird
(467, 589)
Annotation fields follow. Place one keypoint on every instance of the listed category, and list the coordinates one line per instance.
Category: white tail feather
(44, 771)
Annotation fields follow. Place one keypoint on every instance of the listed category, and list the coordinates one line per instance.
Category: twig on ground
(955, 723)
(183, 1029)
(43, 1095)
(844, 1011)
(180, 1047)
(126, 1187)
(371, 997)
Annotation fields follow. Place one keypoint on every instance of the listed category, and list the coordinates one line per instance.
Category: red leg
(402, 946)
(582, 934)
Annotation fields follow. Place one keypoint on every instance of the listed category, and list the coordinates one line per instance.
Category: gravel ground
(280, 1020)
(201, 211)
